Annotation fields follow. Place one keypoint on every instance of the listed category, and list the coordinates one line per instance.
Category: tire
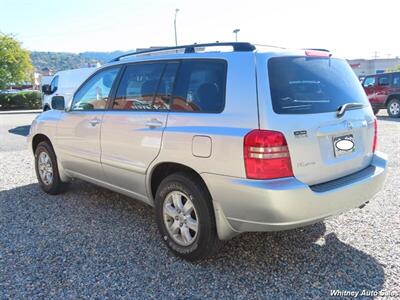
(46, 163)
(393, 108)
(186, 187)
(376, 111)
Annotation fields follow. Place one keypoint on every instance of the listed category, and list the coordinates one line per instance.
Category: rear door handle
(94, 122)
(154, 123)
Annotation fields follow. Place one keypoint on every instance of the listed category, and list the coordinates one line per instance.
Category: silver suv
(219, 142)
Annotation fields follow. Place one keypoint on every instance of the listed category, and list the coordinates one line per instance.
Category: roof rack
(237, 47)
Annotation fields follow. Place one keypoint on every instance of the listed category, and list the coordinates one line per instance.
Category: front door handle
(94, 122)
(153, 123)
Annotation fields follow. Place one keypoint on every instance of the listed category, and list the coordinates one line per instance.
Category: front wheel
(393, 108)
(185, 217)
(47, 170)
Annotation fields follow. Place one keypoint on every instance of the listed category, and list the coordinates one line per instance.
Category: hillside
(58, 61)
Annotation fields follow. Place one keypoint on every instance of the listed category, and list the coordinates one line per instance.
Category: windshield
(308, 85)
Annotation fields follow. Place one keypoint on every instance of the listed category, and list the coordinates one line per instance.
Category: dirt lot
(93, 243)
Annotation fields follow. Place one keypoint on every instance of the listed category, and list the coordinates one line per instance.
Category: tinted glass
(164, 91)
(383, 80)
(93, 95)
(369, 81)
(138, 86)
(304, 85)
(396, 80)
(200, 87)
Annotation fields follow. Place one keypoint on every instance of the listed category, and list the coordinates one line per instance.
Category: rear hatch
(307, 93)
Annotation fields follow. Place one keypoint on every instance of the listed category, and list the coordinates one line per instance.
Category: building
(363, 67)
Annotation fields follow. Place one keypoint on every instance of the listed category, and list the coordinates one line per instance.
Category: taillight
(375, 142)
(266, 155)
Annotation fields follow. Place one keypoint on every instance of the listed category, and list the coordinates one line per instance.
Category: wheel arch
(163, 169)
(38, 138)
(390, 97)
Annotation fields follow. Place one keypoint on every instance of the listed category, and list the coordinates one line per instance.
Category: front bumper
(243, 205)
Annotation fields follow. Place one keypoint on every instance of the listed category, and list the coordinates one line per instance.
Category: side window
(369, 81)
(396, 80)
(164, 92)
(200, 87)
(138, 86)
(93, 95)
(383, 81)
(54, 84)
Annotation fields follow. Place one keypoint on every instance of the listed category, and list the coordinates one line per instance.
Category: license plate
(343, 145)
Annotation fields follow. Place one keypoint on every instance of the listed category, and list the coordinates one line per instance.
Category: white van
(64, 83)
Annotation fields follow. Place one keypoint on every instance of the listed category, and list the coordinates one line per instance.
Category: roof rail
(237, 47)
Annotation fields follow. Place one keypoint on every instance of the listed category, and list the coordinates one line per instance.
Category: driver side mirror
(46, 89)
(58, 102)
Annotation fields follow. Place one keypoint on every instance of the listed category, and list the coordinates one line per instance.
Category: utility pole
(176, 36)
(236, 33)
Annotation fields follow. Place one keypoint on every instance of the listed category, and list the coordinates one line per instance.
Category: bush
(21, 100)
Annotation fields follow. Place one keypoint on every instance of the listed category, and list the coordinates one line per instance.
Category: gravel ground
(93, 243)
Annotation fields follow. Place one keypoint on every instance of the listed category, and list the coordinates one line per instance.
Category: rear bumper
(243, 205)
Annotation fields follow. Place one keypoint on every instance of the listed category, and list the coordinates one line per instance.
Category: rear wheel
(185, 217)
(393, 108)
(47, 170)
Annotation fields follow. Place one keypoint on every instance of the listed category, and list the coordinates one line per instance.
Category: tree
(15, 64)
(393, 69)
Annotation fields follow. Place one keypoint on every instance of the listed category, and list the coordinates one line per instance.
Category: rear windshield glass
(304, 85)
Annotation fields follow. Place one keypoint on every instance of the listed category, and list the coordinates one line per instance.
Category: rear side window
(309, 85)
(383, 81)
(200, 86)
(164, 91)
(138, 87)
(396, 80)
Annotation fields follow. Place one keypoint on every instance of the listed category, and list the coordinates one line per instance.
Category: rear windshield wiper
(342, 108)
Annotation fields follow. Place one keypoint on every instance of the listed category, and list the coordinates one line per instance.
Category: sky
(348, 28)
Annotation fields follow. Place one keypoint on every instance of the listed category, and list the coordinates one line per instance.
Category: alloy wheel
(180, 218)
(45, 168)
(394, 108)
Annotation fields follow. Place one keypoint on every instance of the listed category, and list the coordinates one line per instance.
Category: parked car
(220, 143)
(64, 83)
(383, 91)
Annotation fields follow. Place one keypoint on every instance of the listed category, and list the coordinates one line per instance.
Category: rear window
(308, 85)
